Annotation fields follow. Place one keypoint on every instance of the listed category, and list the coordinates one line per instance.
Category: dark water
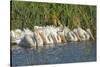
(72, 52)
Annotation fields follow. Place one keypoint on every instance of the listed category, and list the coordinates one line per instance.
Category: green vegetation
(27, 14)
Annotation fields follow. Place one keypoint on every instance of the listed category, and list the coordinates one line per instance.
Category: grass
(28, 14)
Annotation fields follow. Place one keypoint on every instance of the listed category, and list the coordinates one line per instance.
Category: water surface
(72, 52)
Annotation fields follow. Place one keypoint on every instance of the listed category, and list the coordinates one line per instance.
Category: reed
(28, 14)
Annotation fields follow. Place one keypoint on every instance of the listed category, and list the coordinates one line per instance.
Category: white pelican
(62, 31)
(28, 32)
(90, 33)
(71, 36)
(16, 36)
(56, 38)
(38, 39)
(48, 36)
(12, 35)
(25, 38)
(62, 36)
(82, 34)
(47, 39)
(37, 28)
(17, 33)
(28, 41)
(77, 34)
(65, 31)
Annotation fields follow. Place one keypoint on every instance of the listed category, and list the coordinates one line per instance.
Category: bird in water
(16, 36)
(82, 34)
(71, 36)
(48, 36)
(28, 39)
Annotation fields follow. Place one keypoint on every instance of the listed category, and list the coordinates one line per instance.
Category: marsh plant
(28, 14)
